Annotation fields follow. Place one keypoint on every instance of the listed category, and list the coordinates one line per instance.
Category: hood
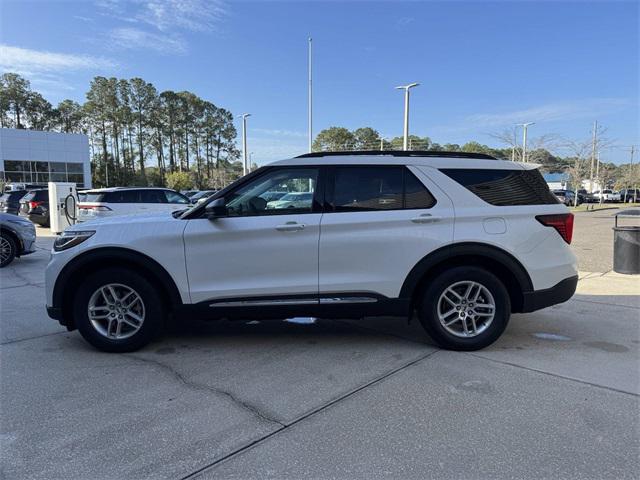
(135, 218)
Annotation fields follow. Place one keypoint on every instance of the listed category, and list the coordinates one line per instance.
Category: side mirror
(216, 209)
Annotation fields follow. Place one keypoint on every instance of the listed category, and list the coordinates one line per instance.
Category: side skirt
(351, 305)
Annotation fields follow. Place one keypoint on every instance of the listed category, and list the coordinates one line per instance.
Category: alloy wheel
(116, 311)
(466, 309)
(5, 250)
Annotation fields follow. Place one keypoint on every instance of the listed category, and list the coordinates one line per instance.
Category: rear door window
(504, 187)
(371, 188)
(152, 196)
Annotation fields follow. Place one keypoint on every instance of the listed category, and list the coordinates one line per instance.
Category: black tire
(430, 297)
(9, 249)
(154, 310)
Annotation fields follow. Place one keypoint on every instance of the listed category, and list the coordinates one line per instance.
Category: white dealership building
(30, 156)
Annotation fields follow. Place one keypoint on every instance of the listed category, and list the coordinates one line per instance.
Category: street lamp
(244, 142)
(524, 139)
(405, 141)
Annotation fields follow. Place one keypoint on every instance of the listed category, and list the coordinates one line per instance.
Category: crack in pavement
(201, 386)
(309, 414)
(25, 279)
(18, 340)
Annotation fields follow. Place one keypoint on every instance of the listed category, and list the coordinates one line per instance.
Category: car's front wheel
(8, 249)
(464, 308)
(118, 310)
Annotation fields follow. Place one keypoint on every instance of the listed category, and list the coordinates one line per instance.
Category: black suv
(35, 206)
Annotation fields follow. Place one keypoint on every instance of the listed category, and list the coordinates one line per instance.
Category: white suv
(109, 202)
(464, 240)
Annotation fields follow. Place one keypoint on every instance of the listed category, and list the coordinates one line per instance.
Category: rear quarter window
(504, 187)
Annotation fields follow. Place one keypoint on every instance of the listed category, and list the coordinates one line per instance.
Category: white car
(292, 200)
(109, 202)
(462, 239)
(606, 196)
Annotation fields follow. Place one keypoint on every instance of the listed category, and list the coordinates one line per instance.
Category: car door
(379, 222)
(152, 201)
(255, 251)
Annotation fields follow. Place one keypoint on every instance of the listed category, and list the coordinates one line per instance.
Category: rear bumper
(560, 292)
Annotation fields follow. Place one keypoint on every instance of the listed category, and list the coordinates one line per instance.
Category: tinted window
(175, 197)
(367, 188)
(416, 194)
(378, 188)
(248, 201)
(504, 187)
(152, 196)
(92, 197)
(14, 196)
(122, 196)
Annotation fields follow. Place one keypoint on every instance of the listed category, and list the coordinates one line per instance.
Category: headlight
(70, 239)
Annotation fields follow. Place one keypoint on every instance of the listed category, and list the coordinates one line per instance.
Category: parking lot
(557, 396)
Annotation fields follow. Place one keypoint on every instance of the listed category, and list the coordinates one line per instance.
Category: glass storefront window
(58, 167)
(74, 168)
(42, 167)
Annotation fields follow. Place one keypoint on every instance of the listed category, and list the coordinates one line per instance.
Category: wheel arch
(501, 263)
(16, 238)
(93, 260)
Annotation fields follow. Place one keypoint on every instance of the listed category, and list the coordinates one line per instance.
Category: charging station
(63, 201)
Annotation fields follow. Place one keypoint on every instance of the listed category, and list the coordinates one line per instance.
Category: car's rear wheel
(117, 310)
(8, 249)
(464, 308)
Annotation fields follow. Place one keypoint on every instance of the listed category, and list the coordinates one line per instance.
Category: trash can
(626, 244)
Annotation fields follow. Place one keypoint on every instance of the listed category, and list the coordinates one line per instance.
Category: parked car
(189, 193)
(35, 206)
(272, 196)
(17, 238)
(568, 197)
(292, 200)
(10, 187)
(606, 196)
(108, 202)
(584, 196)
(10, 201)
(630, 195)
(201, 196)
(463, 239)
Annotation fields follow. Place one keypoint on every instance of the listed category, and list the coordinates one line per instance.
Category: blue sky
(483, 66)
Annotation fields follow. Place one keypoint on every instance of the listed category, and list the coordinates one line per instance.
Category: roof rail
(400, 153)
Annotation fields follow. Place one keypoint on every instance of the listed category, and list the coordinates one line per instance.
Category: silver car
(17, 238)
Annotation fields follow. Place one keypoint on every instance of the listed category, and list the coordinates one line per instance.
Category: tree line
(577, 164)
(138, 136)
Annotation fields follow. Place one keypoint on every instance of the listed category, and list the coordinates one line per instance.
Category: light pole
(244, 142)
(524, 139)
(310, 96)
(405, 141)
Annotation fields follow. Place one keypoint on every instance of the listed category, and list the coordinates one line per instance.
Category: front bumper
(560, 292)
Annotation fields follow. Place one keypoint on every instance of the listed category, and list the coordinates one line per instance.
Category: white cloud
(27, 61)
(133, 38)
(167, 15)
(587, 108)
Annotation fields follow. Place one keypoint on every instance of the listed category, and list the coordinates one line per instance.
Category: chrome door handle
(426, 218)
(290, 227)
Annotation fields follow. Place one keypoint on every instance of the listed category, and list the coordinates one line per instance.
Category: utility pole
(405, 141)
(593, 154)
(310, 95)
(381, 144)
(244, 143)
(524, 139)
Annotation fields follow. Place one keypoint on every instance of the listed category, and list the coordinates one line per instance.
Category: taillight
(562, 222)
(34, 204)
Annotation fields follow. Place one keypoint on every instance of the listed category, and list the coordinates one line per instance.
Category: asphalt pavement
(557, 396)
